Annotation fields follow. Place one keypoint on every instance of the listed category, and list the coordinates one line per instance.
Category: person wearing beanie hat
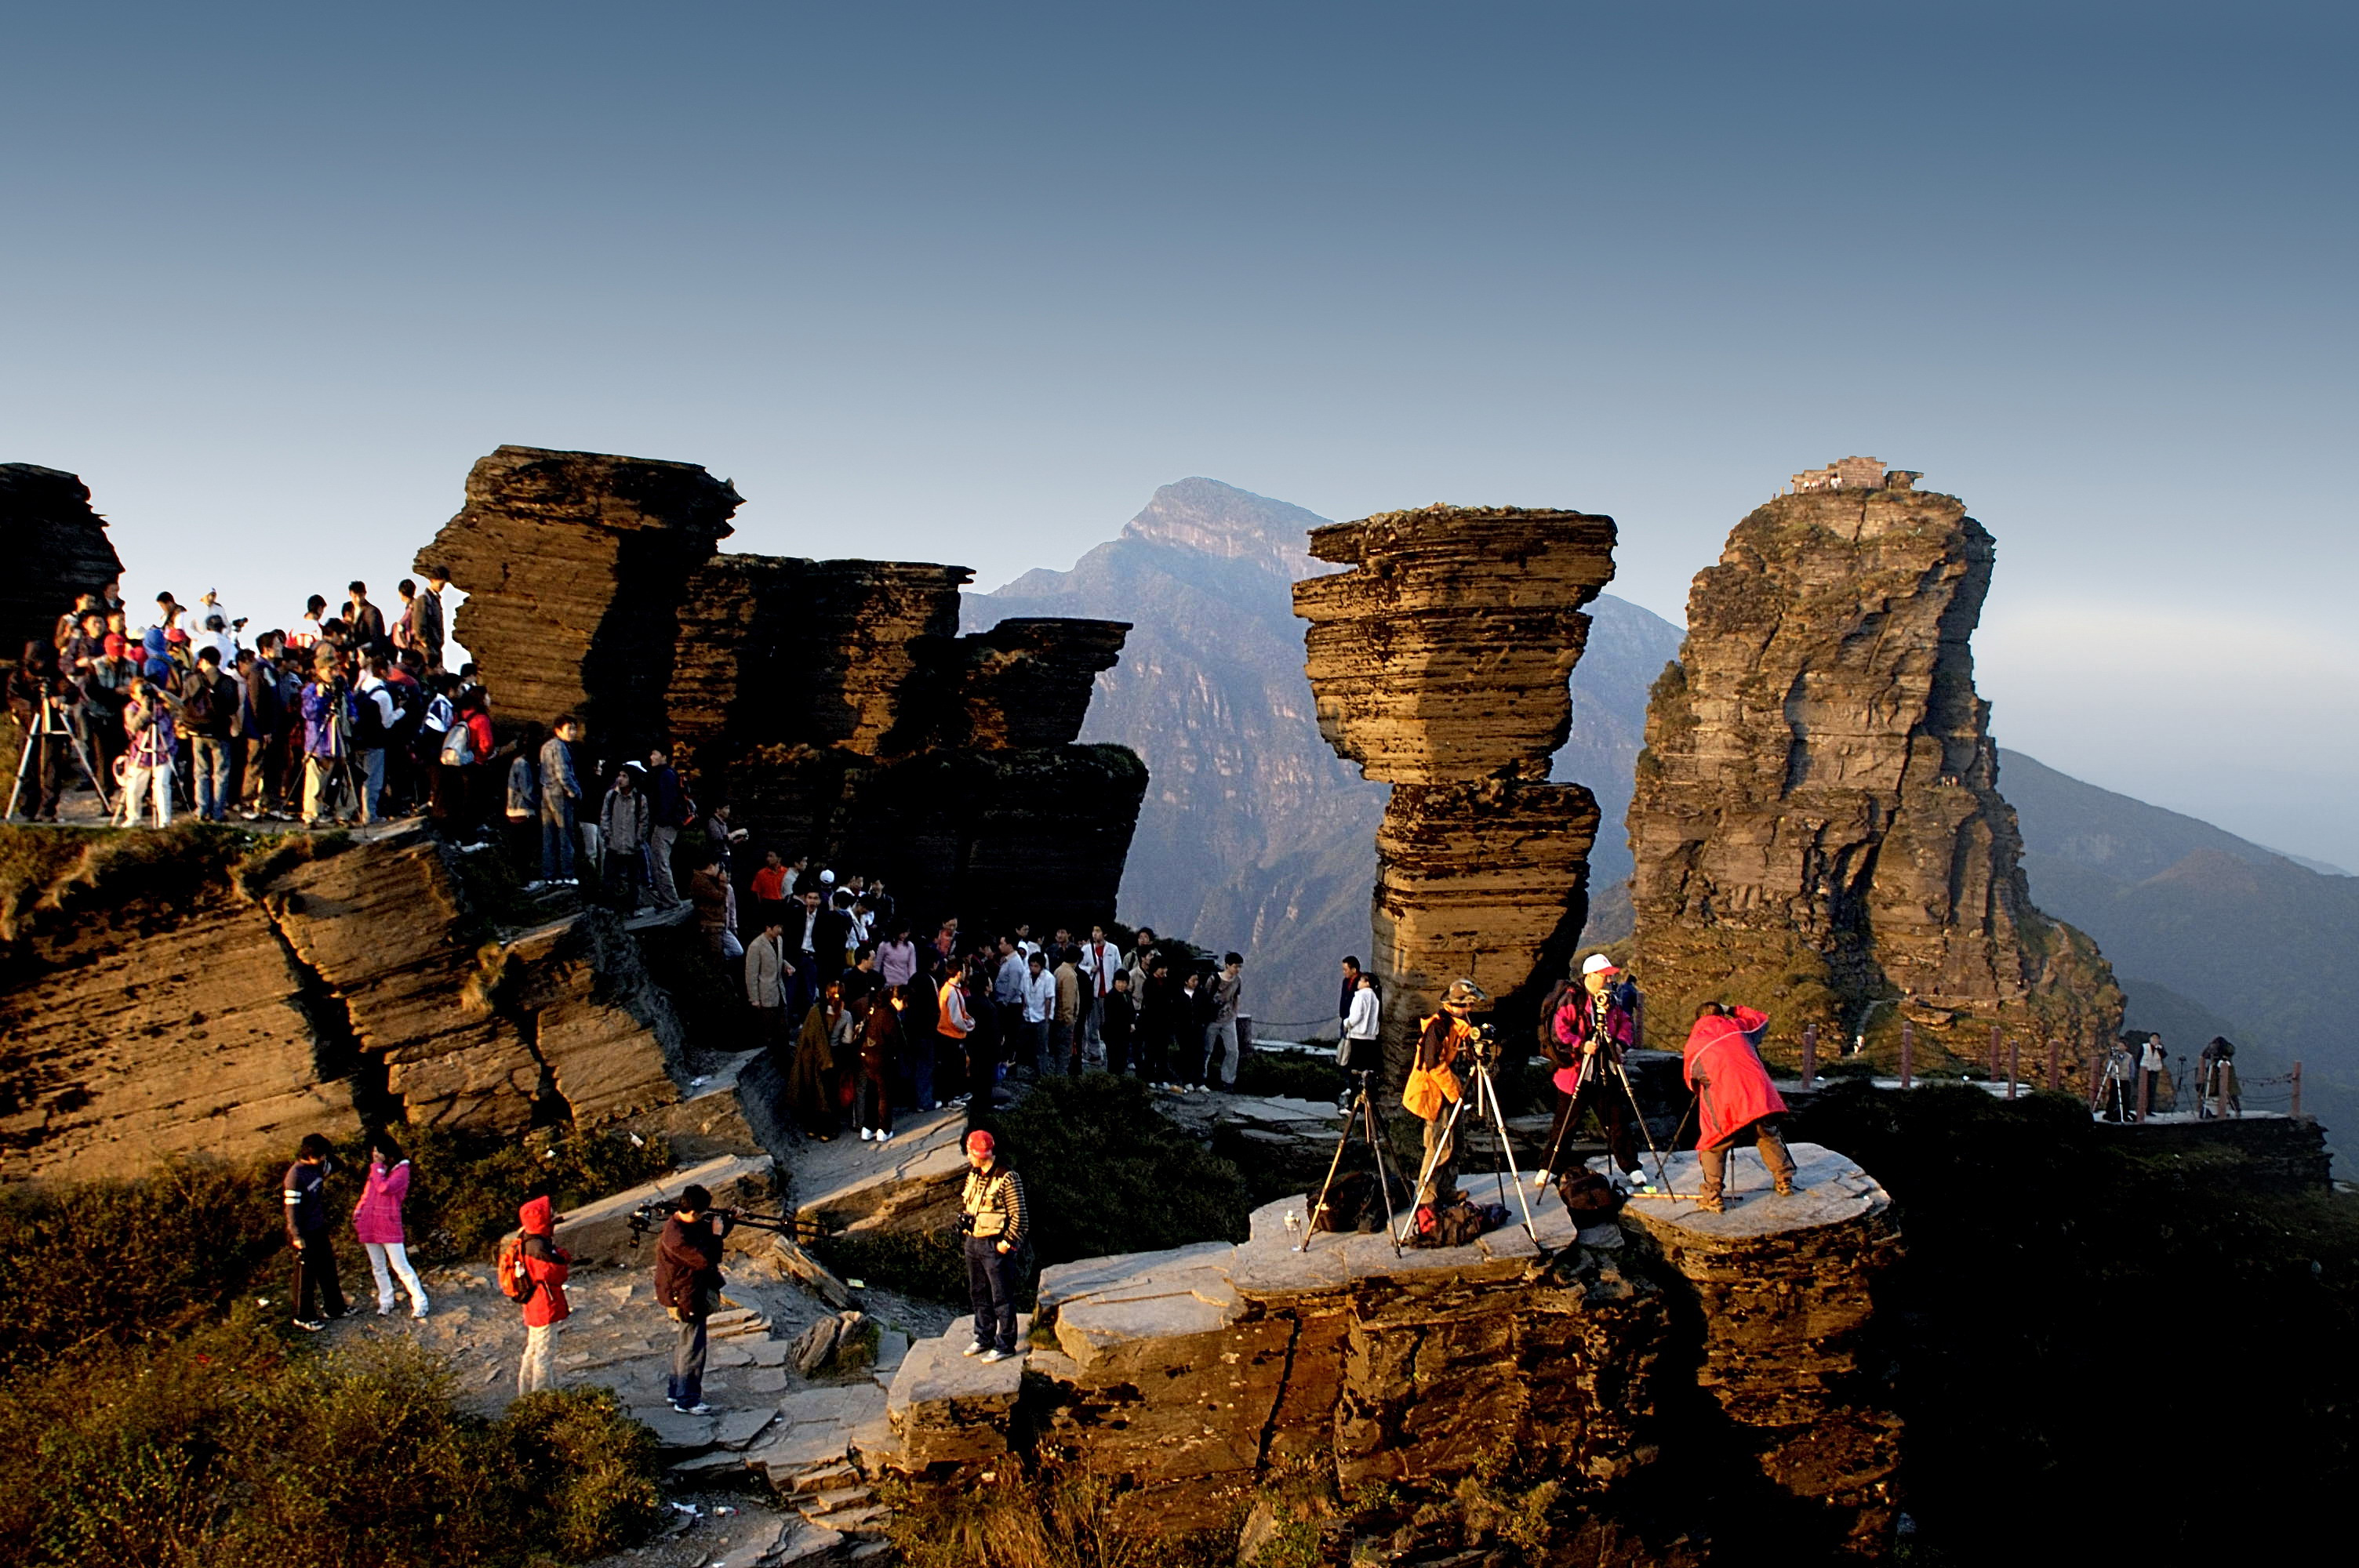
(992, 1214)
(547, 1265)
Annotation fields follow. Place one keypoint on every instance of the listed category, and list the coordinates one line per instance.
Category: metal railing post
(1908, 1051)
(2013, 1064)
(2297, 1089)
(1994, 1061)
(1809, 1055)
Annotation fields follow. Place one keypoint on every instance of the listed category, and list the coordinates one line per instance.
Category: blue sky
(967, 282)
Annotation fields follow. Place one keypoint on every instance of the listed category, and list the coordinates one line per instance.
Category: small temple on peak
(1854, 473)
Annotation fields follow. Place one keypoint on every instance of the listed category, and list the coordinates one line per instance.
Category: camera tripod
(1589, 1066)
(1485, 1096)
(46, 724)
(1360, 1119)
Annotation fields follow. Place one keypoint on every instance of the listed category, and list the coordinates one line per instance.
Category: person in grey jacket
(1223, 1057)
(561, 794)
(623, 823)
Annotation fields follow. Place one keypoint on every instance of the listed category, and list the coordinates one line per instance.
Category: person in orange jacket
(546, 1308)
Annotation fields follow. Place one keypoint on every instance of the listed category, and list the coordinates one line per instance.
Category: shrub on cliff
(223, 1449)
(1105, 1172)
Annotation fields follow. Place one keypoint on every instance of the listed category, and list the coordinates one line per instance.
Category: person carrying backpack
(688, 1287)
(533, 1271)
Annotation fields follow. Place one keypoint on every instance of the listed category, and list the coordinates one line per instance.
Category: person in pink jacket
(377, 1221)
(1734, 1096)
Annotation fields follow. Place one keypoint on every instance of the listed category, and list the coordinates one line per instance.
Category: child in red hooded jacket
(546, 1308)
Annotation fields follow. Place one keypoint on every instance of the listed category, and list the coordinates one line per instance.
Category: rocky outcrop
(1439, 663)
(575, 565)
(196, 991)
(832, 703)
(1616, 1361)
(1784, 1287)
(1816, 823)
(57, 549)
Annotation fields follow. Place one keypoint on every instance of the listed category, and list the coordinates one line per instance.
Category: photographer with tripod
(1589, 1032)
(37, 694)
(1432, 1088)
(328, 719)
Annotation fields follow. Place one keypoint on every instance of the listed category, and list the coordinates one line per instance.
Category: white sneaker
(865, 1135)
(884, 1138)
(995, 1354)
(977, 1348)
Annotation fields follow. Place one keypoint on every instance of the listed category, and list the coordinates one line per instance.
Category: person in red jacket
(1734, 1096)
(546, 1308)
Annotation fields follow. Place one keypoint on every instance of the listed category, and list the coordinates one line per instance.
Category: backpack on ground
(458, 745)
(516, 1278)
(1589, 1198)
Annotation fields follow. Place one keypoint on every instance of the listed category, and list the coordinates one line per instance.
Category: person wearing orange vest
(1434, 1087)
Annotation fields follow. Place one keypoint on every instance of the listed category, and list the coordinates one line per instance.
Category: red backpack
(517, 1282)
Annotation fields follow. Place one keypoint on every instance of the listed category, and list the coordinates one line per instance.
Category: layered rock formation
(832, 703)
(164, 996)
(1191, 1376)
(1256, 835)
(1439, 663)
(57, 549)
(1817, 823)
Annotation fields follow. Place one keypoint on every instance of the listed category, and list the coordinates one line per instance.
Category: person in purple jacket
(377, 1220)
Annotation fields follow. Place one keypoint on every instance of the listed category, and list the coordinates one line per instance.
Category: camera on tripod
(1485, 1046)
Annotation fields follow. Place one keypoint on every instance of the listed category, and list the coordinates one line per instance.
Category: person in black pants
(992, 1214)
(688, 1287)
(1115, 1018)
(319, 1296)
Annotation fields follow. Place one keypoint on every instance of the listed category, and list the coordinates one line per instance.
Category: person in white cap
(1594, 1025)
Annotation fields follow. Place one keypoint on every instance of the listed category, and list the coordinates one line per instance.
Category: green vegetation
(223, 1449)
(150, 1414)
(2147, 1353)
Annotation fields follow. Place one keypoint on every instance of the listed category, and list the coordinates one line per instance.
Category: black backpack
(368, 724)
(1589, 1198)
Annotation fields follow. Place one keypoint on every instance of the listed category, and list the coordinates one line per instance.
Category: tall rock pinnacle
(1439, 663)
(1817, 824)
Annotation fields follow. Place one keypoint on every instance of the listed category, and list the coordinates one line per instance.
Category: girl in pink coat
(377, 1220)
(1734, 1096)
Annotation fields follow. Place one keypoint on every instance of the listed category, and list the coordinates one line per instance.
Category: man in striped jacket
(993, 1215)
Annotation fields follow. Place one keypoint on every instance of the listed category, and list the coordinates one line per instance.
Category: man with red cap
(1734, 1096)
(992, 1214)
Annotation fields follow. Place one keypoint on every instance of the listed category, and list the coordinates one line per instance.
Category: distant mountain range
(1256, 835)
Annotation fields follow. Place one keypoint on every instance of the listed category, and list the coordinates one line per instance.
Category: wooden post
(1908, 1051)
(2297, 1089)
(2013, 1064)
(1809, 1055)
(1994, 1061)
(2055, 1067)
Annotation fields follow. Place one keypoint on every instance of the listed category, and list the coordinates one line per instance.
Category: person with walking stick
(1734, 1098)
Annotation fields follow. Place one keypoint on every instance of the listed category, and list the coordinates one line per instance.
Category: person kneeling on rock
(992, 1216)
(1734, 1096)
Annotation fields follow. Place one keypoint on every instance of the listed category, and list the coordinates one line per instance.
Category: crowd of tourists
(347, 717)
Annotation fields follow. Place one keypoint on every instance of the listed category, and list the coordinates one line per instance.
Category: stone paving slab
(849, 1184)
(1829, 1190)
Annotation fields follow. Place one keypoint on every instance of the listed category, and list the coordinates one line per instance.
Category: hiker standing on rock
(377, 1220)
(1734, 1096)
(688, 1287)
(992, 1214)
(544, 1267)
(319, 1296)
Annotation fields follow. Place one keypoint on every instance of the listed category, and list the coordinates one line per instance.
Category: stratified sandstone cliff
(1817, 823)
(197, 992)
(1438, 664)
(832, 703)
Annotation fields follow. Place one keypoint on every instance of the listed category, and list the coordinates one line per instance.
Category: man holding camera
(1433, 1088)
(990, 1215)
(1590, 1029)
(688, 1287)
(1734, 1098)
